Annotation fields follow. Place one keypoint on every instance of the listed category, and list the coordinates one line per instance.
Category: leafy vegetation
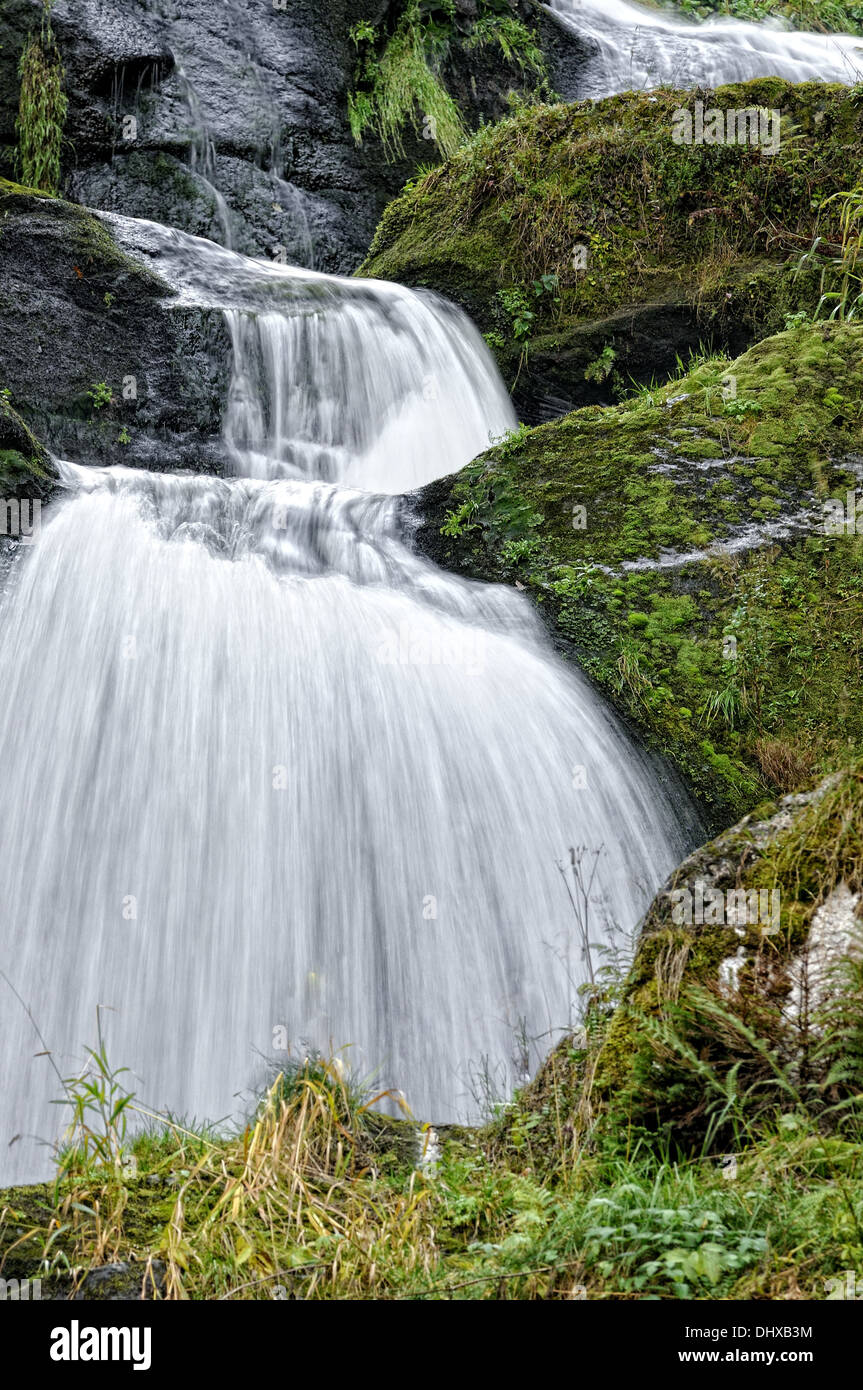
(399, 77)
(42, 109)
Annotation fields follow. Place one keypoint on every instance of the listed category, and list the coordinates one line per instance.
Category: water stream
(635, 48)
(269, 776)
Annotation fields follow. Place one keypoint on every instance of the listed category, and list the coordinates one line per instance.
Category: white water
(635, 48)
(265, 767)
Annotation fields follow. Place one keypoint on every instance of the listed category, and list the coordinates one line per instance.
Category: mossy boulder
(26, 470)
(745, 998)
(591, 248)
(681, 547)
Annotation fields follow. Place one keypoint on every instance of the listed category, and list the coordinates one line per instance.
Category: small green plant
(109, 299)
(601, 368)
(457, 523)
(96, 1135)
(517, 308)
(100, 395)
(738, 408)
(124, 436)
(727, 704)
(362, 32)
(495, 340)
(520, 551)
(508, 445)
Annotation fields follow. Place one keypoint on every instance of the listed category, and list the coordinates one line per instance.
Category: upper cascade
(634, 49)
(350, 381)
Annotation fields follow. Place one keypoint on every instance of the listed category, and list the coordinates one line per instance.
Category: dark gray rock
(121, 1282)
(78, 313)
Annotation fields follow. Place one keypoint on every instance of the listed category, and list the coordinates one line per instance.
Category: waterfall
(269, 775)
(635, 49)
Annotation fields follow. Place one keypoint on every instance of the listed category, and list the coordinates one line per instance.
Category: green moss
(597, 196)
(636, 568)
(93, 251)
(25, 467)
(706, 1060)
(7, 186)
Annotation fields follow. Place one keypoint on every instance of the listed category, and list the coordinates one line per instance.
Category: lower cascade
(274, 781)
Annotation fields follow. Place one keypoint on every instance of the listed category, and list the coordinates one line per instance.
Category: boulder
(97, 356)
(593, 250)
(699, 550)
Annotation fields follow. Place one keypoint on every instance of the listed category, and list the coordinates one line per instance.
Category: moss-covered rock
(677, 546)
(746, 992)
(26, 471)
(591, 248)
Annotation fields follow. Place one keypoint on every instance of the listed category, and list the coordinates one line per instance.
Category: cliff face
(231, 120)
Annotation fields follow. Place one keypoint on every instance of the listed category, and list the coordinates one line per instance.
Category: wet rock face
(95, 354)
(230, 120)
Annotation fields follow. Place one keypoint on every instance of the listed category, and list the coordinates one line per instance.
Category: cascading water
(266, 769)
(636, 49)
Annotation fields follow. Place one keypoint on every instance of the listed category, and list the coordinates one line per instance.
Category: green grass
(320, 1198)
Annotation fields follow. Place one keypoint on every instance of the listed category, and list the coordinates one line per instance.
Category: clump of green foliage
(841, 267)
(518, 44)
(42, 109)
(399, 76)
(100, 395)
(404, 82)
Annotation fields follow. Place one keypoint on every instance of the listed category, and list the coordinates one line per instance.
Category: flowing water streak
(265, 768)
(202, 154)
(634, 49)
